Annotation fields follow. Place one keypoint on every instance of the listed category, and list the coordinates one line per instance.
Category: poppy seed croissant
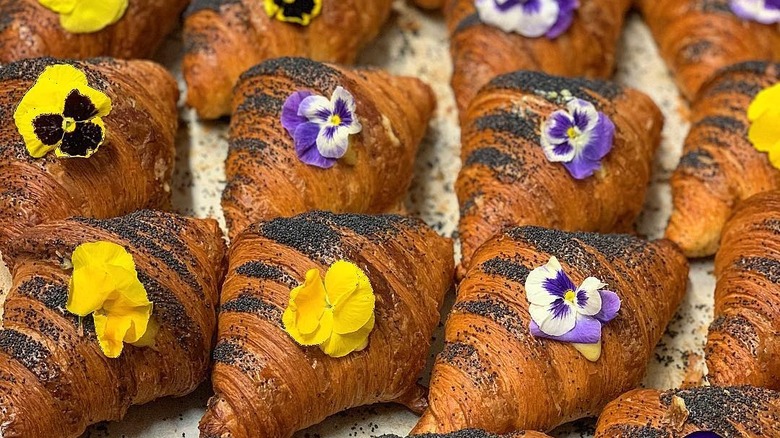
(267, 385)
(130, 171)
(54, 378)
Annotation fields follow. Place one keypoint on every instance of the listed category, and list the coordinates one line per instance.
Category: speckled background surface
(414, 43)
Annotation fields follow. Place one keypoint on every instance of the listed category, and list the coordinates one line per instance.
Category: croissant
(130, 171)
(719, 166)
(224, 38)
(475, 433)
(430, 4)
(507, 179)
(743, 346)
(737, 411)
(266, 178)
(697, 38)
(480, 51)
(266, 384)
(30, 30)
(54, 378)
(493, 374)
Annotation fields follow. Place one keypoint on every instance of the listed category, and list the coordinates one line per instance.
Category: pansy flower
(764, 116)
(293, 11)
(762, 11)
(319, 126)
(564, 312)
(86, 16)
(530, 18)
(105, 284)
(579, 137)
(337, 314)
(61, 112)
(703, 434)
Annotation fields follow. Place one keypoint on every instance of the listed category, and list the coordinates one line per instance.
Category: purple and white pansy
(530, 18)
(762, 11)
(320, 126)
(564, 312)
(703, 434)
(579, 137)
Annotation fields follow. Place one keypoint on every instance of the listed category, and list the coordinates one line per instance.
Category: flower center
(572, 132)
(335, 120)
(570, 296)
(68, 124)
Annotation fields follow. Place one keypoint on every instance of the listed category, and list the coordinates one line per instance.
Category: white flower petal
(355, 127)
(534, 283)
(317, 109)
(539, 22)
(346, 96)
(551, 325)
(591, 287)
(490, 14)
(586, 108)
(334, 146)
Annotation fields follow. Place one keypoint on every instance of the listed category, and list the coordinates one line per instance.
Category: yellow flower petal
(277, 12)
(59, 6)
(88, 289)
(352, 311)
(111, 332)
(765, 131)
(592, 352)
(308, 302)
(774, 154)
(340, 345)
(148, 338)
(341, 280)
(768, 99)
(93, 15)
(102, 253)
(321, 333)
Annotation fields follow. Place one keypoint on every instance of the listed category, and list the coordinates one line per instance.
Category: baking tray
(415, 43)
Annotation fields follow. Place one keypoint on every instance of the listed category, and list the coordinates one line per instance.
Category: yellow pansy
(293, 11)
(337, 314)
(61, 112)
(105, 284)
(764, 115)
(86, 16)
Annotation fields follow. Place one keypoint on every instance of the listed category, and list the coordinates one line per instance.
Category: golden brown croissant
(699, 37)
(493, 374)
(731, 412)
(54, 378)
(266, 384)
(430, 4)
(30, 30)
(507, 179)
(130, 171)
(266, 178)
(743, 346)
(719, 167)
(224, 38)
(480, 52)
(475, 433)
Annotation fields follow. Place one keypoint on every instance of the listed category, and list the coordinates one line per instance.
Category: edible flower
(105, 284)
(293, 11)
(762, 11)
(579, 137)
(703, 434)
(564, 312)
(320, 127)
(764, 116)
(61, 112)
(86, 16)
(530, 18)
(337, 314)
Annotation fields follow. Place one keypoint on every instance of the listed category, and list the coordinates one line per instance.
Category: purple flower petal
(772, 4)
(703, 434)
(761, 11)
(290, 117)
(316, 109)
(306, 146)
(559, 125)
(565, 18)
(610, 305)
(559, 285)
(564, 148)
(601, 139)
(581, 167)
(587, 330)
(341, 109)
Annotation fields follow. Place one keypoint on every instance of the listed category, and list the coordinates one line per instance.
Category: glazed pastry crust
(54, 379)
(743, 346)
(265, 177)
(736, 411)
(719, 167)
(224, 38)
(29, 30)
(506, 179)
(481, 52)
(699, 37)
(131, 170)
(266, 384)
(493, 375)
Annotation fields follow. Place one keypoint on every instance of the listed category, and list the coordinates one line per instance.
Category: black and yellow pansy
(62, 113)
(293, 11)
(86, 16)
